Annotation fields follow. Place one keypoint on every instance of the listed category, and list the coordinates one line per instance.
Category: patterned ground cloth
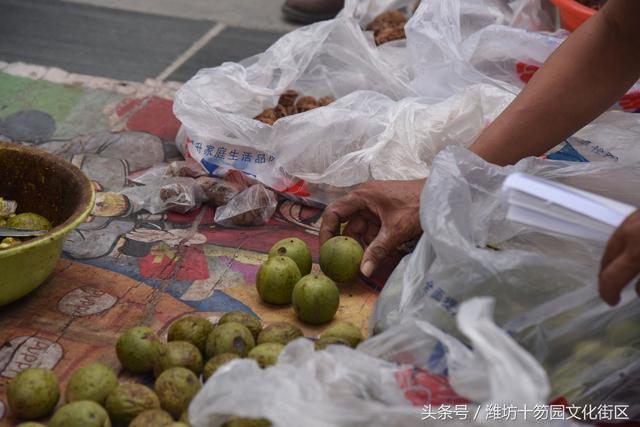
(121, 269)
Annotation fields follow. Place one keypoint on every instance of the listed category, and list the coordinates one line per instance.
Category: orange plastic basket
(572, 13)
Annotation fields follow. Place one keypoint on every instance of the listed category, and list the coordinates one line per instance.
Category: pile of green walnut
(286, 277)
(24, 221)
(195, 349)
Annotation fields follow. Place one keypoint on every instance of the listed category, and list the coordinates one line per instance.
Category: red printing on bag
(422, 387)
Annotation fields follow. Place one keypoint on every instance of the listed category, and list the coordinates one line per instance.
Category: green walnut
(215, 362)
(275, 280)
(249, 321)
(33, 393)
(83, 413)
(340, 258)
(295, 249)
(230, 337)
(177, 353)
(325, 342)
(266, 354)
(91, 382)
(345, 330)
(152, 418)
(136, 349)
(29, 221)
(193, 329)
(316, 299)
(175, 388)
(31, 424)
(184, 418)
(280, 332)
(128, 400)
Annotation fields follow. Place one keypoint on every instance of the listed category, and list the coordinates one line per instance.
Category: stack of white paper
(558, 208)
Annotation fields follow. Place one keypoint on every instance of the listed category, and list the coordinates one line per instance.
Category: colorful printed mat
(121, 269)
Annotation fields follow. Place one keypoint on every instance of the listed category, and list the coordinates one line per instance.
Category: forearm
(583, 77)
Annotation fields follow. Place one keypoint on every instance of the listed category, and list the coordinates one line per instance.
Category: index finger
(336, 213)
(615, 246)
(618, 274)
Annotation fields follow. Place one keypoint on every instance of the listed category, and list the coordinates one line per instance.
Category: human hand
(380, 214)
(621, 260)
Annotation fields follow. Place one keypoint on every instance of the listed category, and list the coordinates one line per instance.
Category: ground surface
(137, 40)
(95, 85)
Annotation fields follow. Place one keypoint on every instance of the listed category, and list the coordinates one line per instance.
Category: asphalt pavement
(136, 40)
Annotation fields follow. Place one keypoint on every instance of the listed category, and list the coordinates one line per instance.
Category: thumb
(379, 249)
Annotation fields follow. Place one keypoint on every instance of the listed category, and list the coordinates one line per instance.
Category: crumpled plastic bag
(545, 285)
(455, 43)
(217, 191)
(340, 387)
(365, 11)
(189, 168)
(160, 192)
(374, 137)
(173, 194)
(254, 206)
(330, 58)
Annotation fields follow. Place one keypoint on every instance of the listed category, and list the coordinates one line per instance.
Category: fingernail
(367, 268)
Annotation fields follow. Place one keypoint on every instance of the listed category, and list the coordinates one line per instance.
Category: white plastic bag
(374, 137)
(340, 387)
(365, 11)
(545, 286)
(454, 43)
(331, 58)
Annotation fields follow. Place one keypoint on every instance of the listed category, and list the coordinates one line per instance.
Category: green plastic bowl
(49, 186)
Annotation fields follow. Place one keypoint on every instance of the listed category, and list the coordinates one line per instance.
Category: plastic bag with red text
(386, 381)
(455, 43)
(545, 285)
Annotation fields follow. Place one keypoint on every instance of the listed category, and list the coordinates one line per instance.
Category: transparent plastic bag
(217, 191)
(342, 387)
(186, 168)
(165, 194)
(545, 285)
(374, 137)
(254, 206)
(453, 44)
(331, 58)
(365, 11)
(385, 19)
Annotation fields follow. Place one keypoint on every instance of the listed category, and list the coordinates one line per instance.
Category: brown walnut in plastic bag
(217, 191)
(326, 100)
(186, 168)
(180, 196)
(389, 34)
(280, 111)
(268, 116)
(288, 98)
(388, 26)
(254, 206)
(289, 104)
(307, 103)
(291, 110)
(392, 18)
